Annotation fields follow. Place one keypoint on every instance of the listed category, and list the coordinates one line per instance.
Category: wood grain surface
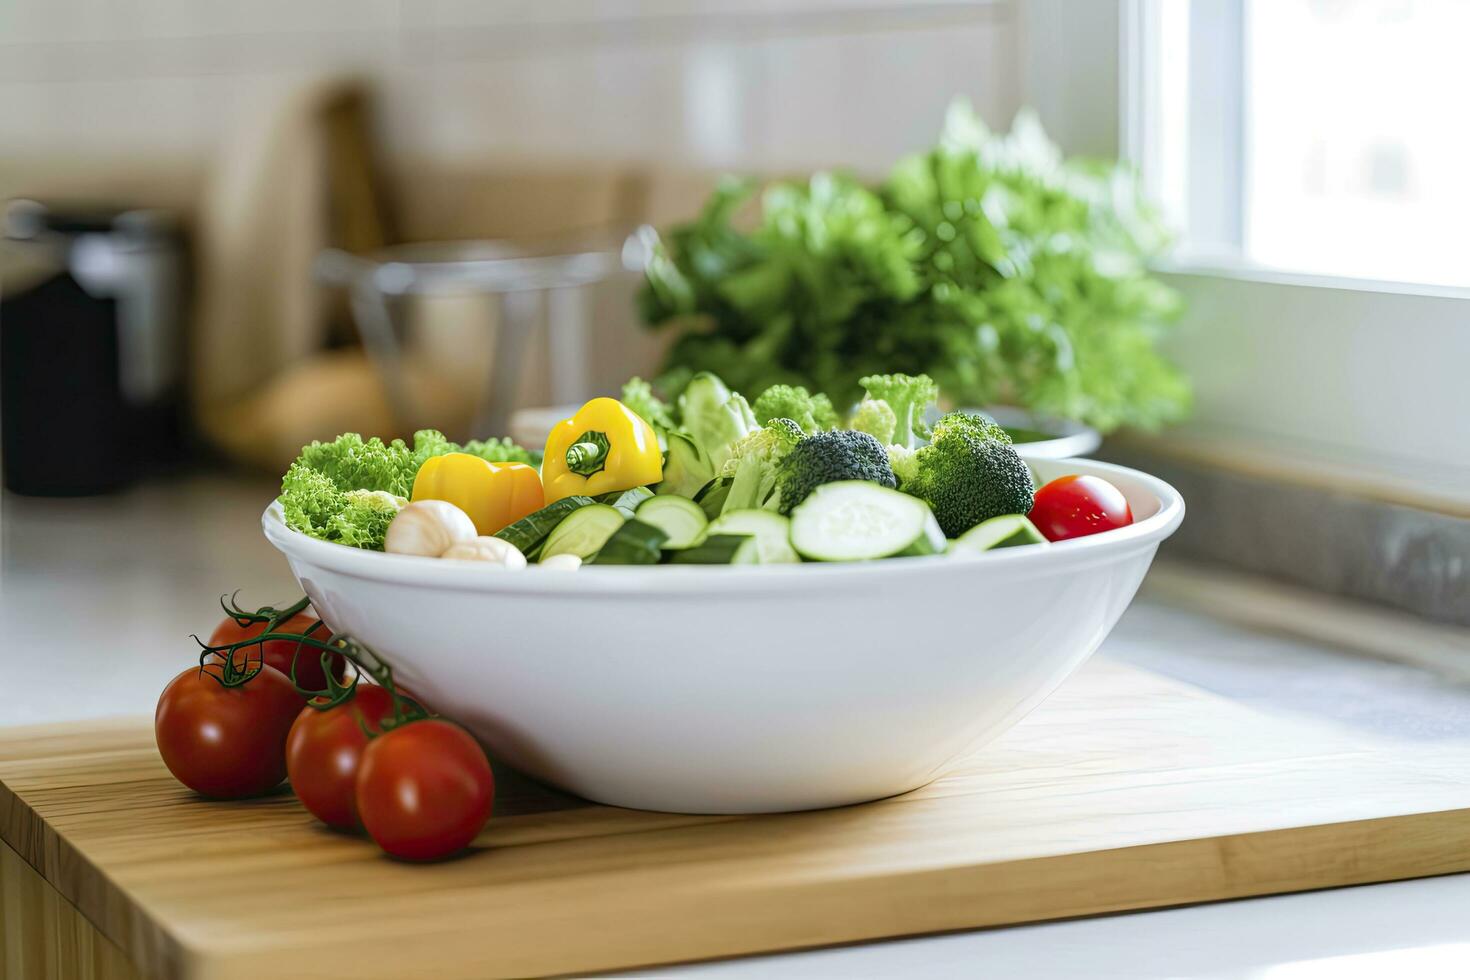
(1123, 791)
(42, 935)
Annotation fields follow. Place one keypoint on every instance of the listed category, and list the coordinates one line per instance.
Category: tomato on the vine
(424, 790)
(1074, 506)
(279, 653)
(226, 742)
(325, 748)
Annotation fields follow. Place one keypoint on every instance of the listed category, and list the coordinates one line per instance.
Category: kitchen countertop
(98, 596)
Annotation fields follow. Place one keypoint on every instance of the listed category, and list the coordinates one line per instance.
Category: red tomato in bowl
(424, 790)
(324, 751)
(226, 742)
(1075, 506)
(279, 653)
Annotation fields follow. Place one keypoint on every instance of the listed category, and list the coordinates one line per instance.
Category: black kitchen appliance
(90, 353)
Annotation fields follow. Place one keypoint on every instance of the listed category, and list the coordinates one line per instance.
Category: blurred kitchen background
(1224, 234)
(232, 228)
(206, 154)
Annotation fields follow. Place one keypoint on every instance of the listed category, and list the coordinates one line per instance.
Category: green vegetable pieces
(969, 473)
(827, 457)
(714, 417)
(753, 463)
(1004, 271)
(814, 413)
(638, 395)
(907, 397)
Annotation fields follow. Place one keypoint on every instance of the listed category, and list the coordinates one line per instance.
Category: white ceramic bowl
(739, 689)
(1069, 438)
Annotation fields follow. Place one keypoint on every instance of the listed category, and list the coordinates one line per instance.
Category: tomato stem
(221, 663)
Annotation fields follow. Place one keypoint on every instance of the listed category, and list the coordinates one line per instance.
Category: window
(1312, 154)
(1315, 136)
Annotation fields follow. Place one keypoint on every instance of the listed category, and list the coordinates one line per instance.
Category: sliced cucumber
(530, 531)
(626, 501)
(1005, 531)
(770, 533)
(635, 543)
(716, 549)
(711, 499)
(678, 517)
(583, 532)
(855, 520)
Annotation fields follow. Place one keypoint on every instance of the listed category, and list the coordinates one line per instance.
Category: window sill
(1225, 267)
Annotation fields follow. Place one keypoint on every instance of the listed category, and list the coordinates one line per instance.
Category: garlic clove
(428, 528)
(489, 550)
(565, 562)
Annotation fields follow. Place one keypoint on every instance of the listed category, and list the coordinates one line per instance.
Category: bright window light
(1316, 136)
(1357, 146)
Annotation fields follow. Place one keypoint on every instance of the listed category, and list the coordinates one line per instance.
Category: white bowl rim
(411, 570)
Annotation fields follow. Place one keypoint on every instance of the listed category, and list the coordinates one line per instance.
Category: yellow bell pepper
(493, 494)
(602, 448)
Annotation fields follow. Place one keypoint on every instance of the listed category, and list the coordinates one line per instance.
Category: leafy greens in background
(990, 263)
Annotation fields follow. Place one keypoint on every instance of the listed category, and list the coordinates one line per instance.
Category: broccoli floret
(768, 443)
(814, 413)
(753, 463)
(910, 397)
(905, 463)
(970, 473)
(827, 457)
(638, 395)
(875, 418)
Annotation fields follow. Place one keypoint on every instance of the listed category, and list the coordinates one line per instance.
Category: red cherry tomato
(324, 750)
(226, 742)
(424, 790)
(1074, 506)
(279, 653)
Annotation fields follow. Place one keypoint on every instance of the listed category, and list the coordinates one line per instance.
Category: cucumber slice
(716, 549)
(626, 501)
(711, 498)
(855, 520)
(583, 532)
(635, 543)
(771, 534)
(1005, 531)
(678, 517)
(530, 531)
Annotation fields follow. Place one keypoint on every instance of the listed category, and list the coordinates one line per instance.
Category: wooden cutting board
(1123, 791)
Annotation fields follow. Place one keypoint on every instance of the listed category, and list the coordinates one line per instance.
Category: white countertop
(98, 596)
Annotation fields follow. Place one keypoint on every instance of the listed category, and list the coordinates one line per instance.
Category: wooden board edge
(44, 935)
(1170, 875)
(98, 900)
(804, 913)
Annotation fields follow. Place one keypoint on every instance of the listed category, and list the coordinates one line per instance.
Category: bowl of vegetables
(716, 606)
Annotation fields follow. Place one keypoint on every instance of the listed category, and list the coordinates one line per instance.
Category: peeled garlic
(564, 562)
(428, 528)
(492, 551)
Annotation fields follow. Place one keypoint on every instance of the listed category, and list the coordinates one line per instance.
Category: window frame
(1349, 381)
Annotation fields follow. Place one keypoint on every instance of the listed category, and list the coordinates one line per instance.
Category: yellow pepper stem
(588, 453)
